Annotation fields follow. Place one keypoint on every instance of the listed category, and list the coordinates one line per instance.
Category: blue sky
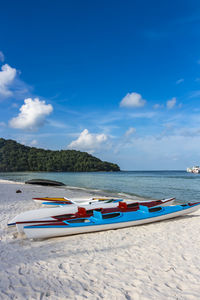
(118, 79)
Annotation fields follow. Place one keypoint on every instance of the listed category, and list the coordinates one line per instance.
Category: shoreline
(90, 191)
(11, 181)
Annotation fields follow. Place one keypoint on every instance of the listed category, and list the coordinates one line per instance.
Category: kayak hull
(124, 220)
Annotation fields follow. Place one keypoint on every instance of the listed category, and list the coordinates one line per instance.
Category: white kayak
(38, 214)
(65, 200)
(107, 221)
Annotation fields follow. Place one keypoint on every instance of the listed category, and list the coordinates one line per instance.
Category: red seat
(122, 206)
(81, 212)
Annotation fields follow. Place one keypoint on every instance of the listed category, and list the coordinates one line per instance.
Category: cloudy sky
(118, 79)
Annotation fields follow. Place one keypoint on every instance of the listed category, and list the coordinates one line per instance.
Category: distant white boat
(195, 169)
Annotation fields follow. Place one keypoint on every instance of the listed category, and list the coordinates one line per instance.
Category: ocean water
(149, 184)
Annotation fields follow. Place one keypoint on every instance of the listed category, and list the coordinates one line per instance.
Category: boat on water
(56, 213)
(105, 221)
(194, 169)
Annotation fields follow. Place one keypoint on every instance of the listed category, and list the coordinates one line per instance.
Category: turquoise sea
(149, 184)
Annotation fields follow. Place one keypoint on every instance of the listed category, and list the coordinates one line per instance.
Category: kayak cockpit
(155, 209)
(96, 218)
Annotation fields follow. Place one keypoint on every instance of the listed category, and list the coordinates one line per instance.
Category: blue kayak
(113, 220)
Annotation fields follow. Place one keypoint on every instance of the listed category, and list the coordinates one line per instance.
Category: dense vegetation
(16, 157)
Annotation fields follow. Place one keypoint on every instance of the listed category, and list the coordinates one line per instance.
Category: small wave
(106, 193)
(10, 182)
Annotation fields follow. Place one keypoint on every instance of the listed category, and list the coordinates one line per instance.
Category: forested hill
(16, 157)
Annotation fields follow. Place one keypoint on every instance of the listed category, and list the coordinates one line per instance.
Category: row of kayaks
(96, 214)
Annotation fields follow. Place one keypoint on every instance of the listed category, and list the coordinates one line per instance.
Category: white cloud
(88, 141)
(2, 58)
(7, 75)
(169, 152)
(171, 103)
(145, 115)
(11, 84)
(195, 94)
(132, 100)
(123, 141)
(33, 143)
(57, 124)
(15, 105)
(32, 115)
(157, 106)
(2, 124)
(130, 131)
(179, 81)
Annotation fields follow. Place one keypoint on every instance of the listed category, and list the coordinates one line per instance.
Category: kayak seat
(143, 208)
(97, 216)
(81, 212)
(122, 206)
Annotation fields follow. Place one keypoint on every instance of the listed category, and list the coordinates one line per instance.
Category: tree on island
(16, 157)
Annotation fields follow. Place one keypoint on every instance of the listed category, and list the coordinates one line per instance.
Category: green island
(17, 157)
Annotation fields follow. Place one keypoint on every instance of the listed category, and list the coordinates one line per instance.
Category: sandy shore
(155, 261)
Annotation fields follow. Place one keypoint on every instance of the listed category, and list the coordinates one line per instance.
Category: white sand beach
(155, 261)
